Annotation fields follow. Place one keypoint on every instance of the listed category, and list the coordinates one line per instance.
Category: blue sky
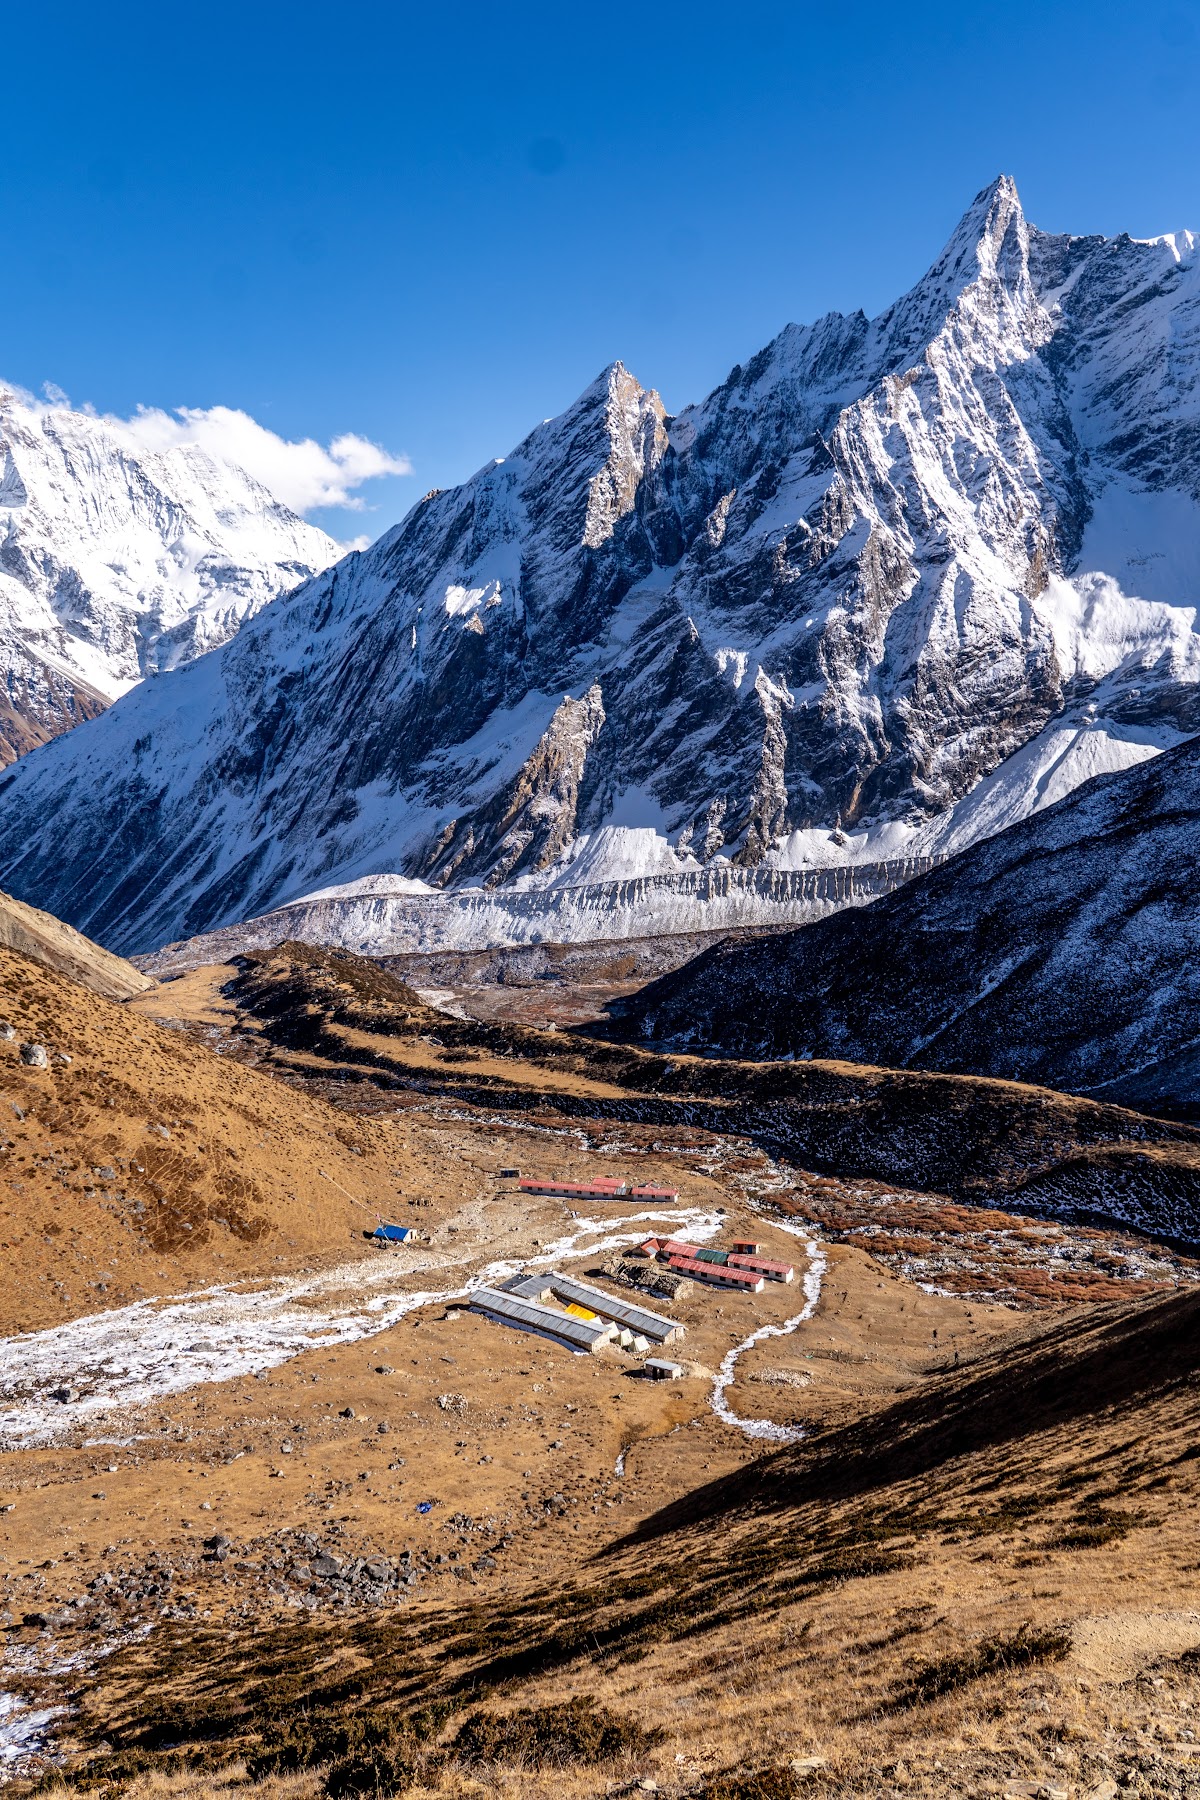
(433, 225)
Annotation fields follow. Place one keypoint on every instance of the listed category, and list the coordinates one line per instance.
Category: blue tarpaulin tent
(395, 1234)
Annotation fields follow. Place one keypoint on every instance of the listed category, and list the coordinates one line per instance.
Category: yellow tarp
(580, 1312)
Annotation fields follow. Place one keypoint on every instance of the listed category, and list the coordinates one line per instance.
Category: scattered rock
(455, 1403)
(35, 1056)
(62, 1057)
(7, 1032)
(347, 1412)
(385, 1369)
(64, 1394)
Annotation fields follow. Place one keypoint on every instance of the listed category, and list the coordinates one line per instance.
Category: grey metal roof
(512, 1309)
(527, 1287)
(637, 1318)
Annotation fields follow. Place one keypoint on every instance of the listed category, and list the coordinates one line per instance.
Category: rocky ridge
(1064, 952)
(895, 584)
(57, 946)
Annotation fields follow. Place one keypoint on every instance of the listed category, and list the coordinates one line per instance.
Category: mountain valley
(612, 1206)
(293, 1491)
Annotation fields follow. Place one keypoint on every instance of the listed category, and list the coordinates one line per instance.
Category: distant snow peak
(896, 584)
(129, 547)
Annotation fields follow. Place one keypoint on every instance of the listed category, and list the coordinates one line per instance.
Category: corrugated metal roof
(747, 1279)
(601, 1184)
(774, 1271)
(675, 1247)
(638, 1318)
(528, 1287)
(511, 1309)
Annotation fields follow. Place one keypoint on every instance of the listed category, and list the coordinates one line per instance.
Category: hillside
(284, 1512)
(1062, 952)
(895, 584)
(138, 1161)
(60, 947)
(986, 1143)
(991, 1575)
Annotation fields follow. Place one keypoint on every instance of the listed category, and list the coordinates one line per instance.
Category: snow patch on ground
(137, 1354)
(23, 1730)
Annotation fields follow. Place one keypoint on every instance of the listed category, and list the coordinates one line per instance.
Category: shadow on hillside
(1070, 1375)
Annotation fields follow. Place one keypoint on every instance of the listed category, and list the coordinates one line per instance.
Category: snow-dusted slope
(895, 584)
(116, 562)
(1065, 951)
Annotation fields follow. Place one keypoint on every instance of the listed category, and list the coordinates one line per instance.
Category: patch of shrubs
(363, 1753)
(990, 1656)
(577, 1731)
(763, 1784)
(1095, 1525)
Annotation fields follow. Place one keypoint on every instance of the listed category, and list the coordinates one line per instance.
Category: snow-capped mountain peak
(894, 584)
(117, 561)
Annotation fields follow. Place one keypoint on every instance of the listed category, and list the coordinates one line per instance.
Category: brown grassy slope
(58, 946)
(979, 1140)
(964, 1583)
(147, 1163)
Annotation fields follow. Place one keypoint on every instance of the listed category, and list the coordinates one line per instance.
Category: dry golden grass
(964, 1578)
(893, 1598)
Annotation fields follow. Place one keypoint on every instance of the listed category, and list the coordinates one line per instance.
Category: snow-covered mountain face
(116, 563)
(894, 585)
(1064, 951)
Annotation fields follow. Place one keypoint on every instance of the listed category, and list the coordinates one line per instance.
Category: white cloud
(301, 473)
